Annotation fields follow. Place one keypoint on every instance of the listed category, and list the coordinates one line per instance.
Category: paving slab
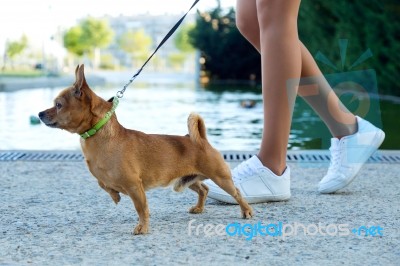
(54, 213)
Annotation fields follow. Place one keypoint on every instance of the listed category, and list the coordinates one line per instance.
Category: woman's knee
(242, 24)
(246, 20)
(272, 13)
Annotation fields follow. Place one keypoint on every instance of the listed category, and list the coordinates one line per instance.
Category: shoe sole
(250, 200)
(379, 138)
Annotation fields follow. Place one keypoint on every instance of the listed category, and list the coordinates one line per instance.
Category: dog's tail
(197, 128)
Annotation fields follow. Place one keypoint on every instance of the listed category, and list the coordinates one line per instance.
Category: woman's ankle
(277, 166)
(345, 129)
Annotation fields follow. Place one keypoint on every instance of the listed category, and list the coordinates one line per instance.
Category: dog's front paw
(196, 210)
(141, 229)
(116, 197)
(247, 213)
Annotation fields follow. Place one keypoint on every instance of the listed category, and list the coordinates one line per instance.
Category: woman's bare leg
(338, 119)
(280, 62)
(271, 26)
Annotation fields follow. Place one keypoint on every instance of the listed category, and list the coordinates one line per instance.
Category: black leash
(120, 93)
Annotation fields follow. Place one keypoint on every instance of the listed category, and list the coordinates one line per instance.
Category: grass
(21, 73)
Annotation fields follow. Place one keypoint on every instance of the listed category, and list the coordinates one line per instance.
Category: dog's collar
(102, 122)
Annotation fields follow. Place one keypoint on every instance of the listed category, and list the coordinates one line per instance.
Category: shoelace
(242, 172)
(335, 159)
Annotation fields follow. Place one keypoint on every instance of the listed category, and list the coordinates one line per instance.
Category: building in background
(154, 26)
(50, 55)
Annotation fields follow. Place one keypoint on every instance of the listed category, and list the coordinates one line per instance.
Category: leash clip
(119, 94)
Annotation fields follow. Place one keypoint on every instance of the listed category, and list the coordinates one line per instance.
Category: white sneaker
(349, 154)
(256, 184)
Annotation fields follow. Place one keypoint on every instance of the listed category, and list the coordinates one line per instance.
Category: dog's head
(72, 107)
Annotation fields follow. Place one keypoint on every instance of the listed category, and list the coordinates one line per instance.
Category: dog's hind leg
(113, 193)
(222, 177)
(202, 190)
(227, 185)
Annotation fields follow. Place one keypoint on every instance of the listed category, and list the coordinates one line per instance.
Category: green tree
(182, 39)
(177, 59)
(73, 41)
(88, 38)
(136, 43)
(96, 33)
(14, 48)
(366, 25)
(185, 48)
(226, 54)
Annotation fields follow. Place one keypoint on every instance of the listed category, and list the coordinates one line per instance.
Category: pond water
(163, 109)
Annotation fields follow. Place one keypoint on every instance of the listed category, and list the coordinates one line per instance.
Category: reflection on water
(161, 110)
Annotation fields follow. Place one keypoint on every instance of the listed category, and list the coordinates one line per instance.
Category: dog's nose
(41, 114)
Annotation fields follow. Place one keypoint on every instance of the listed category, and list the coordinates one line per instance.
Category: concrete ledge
(13, 84)
(299, 156)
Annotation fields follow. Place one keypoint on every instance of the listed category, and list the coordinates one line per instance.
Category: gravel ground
(54, 213)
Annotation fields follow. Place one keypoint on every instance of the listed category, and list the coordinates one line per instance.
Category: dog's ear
(76, 71)
(80, 80)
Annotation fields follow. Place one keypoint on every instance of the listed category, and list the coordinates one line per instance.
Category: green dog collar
(102, 122)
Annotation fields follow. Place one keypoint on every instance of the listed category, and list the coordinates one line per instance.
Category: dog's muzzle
(45, 119)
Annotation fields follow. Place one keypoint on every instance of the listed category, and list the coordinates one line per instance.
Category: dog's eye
(58, 105)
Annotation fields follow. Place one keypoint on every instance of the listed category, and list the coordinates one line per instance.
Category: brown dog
(132, 162)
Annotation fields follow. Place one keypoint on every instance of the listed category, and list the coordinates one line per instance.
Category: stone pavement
(54, 213)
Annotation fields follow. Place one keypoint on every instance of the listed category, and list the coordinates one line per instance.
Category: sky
(39, 19)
